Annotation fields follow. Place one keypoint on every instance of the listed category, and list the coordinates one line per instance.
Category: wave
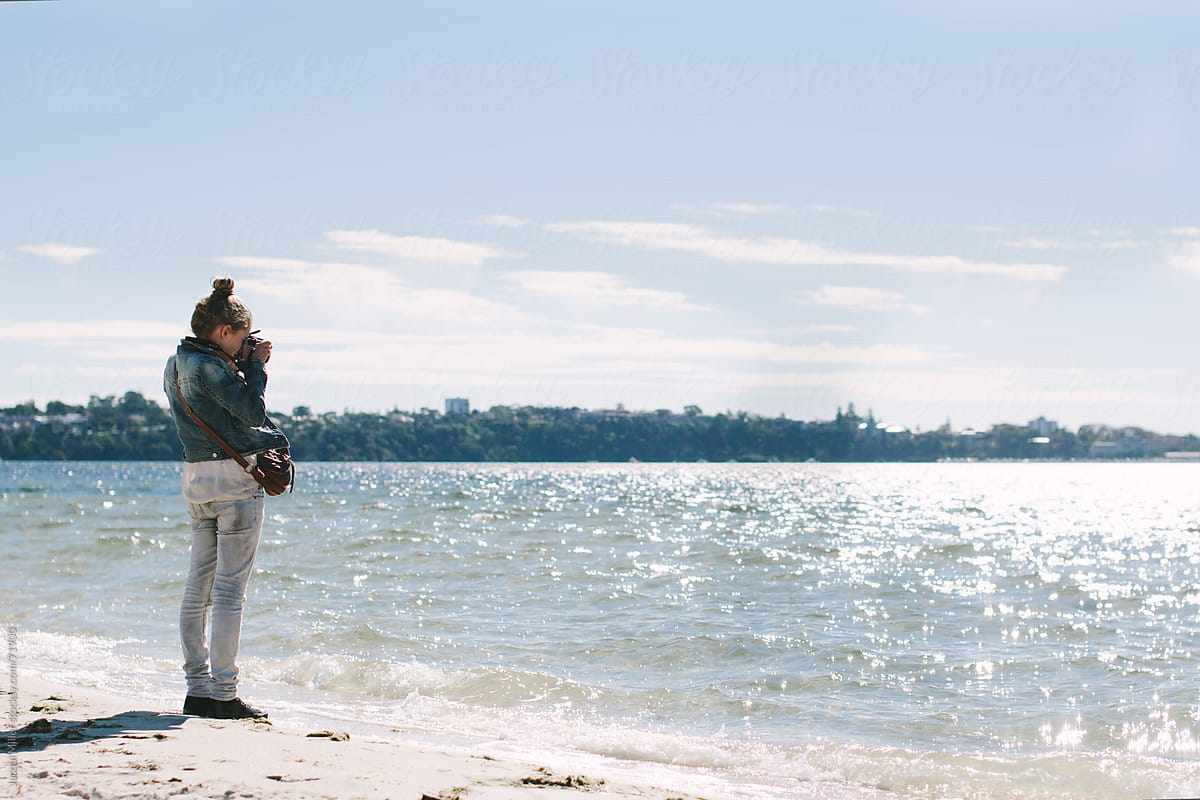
(537, 715)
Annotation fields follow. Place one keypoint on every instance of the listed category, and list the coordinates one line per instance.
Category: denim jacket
(230, 402)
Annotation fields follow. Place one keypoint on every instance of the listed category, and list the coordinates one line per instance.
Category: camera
(251, 341)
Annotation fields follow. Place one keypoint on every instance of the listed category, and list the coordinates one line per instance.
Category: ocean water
(746, 631)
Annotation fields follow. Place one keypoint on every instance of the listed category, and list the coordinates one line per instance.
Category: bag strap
(254, 471)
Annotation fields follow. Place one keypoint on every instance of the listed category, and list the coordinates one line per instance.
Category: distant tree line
(106, 429)
(134, 428)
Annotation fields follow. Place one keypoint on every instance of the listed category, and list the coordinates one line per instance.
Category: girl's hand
(262, 351)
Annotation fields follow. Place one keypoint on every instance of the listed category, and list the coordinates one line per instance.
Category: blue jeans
(225, 538)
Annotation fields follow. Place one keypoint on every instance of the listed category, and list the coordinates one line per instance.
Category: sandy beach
(83, 743)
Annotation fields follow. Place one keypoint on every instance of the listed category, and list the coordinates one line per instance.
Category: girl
(224, 382)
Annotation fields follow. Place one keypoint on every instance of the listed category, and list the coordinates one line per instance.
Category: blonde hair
(221, 307)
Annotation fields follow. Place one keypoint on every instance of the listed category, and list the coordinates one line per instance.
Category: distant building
(457, 405)
(1043, 426)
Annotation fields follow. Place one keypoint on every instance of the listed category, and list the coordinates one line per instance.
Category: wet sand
(82, 743)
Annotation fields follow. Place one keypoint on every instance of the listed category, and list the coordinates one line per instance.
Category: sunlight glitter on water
(987, 611)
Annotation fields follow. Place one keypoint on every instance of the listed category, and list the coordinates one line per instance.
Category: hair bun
(223, 286)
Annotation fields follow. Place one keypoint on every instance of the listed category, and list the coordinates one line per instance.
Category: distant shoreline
(132, 428)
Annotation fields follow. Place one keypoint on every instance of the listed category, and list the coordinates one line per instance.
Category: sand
(74, 742)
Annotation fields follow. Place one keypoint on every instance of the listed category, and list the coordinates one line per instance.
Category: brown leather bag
(274, 471)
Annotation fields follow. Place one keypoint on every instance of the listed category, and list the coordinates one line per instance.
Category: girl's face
(230, 339)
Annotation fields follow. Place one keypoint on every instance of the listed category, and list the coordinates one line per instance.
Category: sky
(938, 211)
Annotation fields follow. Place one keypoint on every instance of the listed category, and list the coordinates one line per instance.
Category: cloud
(352, 289)
(457, 309)
(1188, 232)
(1185, 256)
(729, 209)
(1036, 243)
(61, 333)
(697, 240)
(599, 287)
(807, 329)
(744, 351)
(132, 347)
(62, 253)
(414, 248)
(844, 211)
(823, 328)
(298, 280)
(371, 369)
(502, 221)
(858, 298)
(747, 208)
(955, 390)
(592, 355)
(326, 365)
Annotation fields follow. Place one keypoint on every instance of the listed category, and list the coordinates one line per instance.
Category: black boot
(235, 709)
(197, 706)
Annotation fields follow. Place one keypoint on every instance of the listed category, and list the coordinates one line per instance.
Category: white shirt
(213, 481)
